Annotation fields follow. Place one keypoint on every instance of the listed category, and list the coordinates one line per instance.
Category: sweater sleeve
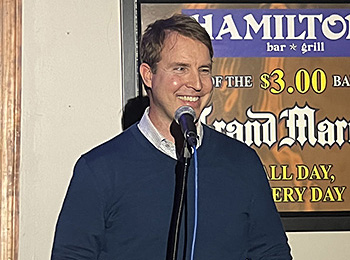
(80, 227)
(267, 238)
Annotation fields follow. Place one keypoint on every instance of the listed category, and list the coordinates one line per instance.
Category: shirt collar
(161, 143)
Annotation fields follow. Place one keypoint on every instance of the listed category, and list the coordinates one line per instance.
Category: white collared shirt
(152, 134)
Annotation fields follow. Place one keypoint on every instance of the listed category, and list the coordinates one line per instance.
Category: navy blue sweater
(119, 203)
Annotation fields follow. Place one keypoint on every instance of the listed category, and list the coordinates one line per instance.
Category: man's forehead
(172, 38)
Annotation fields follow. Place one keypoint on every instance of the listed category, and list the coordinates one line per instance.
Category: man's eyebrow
(182, 64)
(209, 65)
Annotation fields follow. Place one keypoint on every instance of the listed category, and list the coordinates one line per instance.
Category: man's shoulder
(222, 140)
(113, 147)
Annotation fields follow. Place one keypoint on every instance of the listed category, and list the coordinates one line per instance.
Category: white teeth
(188, 98)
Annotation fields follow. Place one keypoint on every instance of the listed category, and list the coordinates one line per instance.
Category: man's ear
(146, 74)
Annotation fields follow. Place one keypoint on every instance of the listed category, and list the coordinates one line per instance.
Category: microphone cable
(195, 224)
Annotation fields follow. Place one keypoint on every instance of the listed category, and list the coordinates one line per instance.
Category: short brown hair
(153, 39)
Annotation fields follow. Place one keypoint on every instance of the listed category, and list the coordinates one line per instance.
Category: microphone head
(184, 110)
(185, 117)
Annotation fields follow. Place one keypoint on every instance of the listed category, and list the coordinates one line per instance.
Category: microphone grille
(184, 110)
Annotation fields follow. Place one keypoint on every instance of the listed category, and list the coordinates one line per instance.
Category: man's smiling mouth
(188, 98)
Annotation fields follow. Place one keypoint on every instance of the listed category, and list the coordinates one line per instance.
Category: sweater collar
(157, 140)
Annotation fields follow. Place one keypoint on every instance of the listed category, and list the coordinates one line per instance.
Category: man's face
(183, 77)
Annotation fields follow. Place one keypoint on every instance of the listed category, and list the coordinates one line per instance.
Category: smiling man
(181, 77)
(120, 199)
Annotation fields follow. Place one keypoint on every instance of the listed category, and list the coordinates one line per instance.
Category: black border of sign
(316, 221)
(130, 23)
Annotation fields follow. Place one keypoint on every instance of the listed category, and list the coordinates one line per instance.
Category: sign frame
(131, 22)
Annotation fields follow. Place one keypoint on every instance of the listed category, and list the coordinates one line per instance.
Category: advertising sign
(281, 76)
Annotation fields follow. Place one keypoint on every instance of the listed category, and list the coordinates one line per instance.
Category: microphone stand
(179, 199)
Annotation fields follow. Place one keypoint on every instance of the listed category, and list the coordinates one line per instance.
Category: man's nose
(195, 81)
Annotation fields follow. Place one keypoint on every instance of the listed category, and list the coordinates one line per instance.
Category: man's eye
(205, 71)
(179, 69)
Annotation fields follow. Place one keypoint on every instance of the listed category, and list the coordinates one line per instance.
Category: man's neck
(163, 127)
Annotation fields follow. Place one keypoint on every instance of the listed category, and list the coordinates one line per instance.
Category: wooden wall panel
(10, 112)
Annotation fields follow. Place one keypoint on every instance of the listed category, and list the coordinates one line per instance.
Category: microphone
(185, 117)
